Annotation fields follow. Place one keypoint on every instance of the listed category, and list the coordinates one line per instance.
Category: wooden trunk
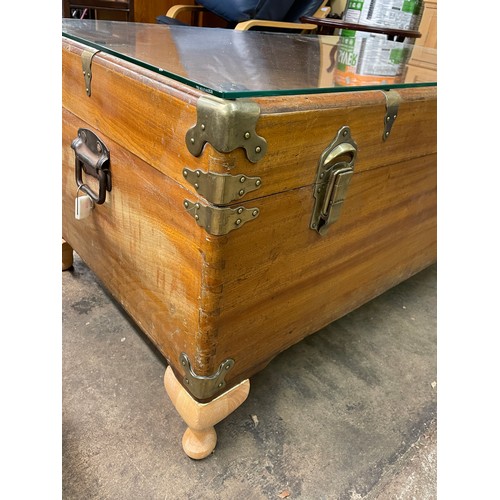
(233, 301)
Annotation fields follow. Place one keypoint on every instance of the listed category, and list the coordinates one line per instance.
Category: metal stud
(247, 135)
(240, 210)
(258, 183)
(258, 149)
(255, 212)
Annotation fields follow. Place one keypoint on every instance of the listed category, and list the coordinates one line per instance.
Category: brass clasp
(335, 170)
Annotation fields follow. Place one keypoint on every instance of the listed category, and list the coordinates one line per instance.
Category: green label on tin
(412, 6)
(399, 56)
(346, 55)
(355, 4)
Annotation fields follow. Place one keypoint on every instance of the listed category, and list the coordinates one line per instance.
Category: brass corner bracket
(226, 125)
(204, 387)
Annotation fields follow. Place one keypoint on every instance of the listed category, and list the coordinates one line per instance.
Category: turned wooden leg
(200, 437)
(67, 256)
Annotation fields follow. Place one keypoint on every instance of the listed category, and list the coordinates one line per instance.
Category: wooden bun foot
(200, 438)
(199, 444)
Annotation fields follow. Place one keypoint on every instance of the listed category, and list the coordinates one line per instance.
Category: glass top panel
(232, 64)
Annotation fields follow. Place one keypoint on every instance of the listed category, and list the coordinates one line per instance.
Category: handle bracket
(92, 157)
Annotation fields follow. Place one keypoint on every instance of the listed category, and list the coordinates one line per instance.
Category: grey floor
(349, 413)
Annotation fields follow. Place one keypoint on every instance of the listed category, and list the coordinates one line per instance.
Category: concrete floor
(348, 413)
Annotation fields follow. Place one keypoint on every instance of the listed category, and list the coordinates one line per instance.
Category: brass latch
(335, 170)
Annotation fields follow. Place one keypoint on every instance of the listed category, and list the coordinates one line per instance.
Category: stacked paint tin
(367, 58)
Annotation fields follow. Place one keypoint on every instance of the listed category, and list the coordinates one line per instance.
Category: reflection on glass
(231, 64)
(368, 59)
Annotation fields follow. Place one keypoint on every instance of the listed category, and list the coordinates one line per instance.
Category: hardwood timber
(150, 115)
(142, 11)
(328, 26)
(67, 256)
(281, 281)
(252, 293)
(146, 11)
(144, 247)
(200, 437)
(422, 65)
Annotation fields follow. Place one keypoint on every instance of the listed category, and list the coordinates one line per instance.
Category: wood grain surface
(254, 292)
(141, 244)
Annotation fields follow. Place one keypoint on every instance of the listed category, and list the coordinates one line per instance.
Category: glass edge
(142, 64)
(243, 94)
(326, 90)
